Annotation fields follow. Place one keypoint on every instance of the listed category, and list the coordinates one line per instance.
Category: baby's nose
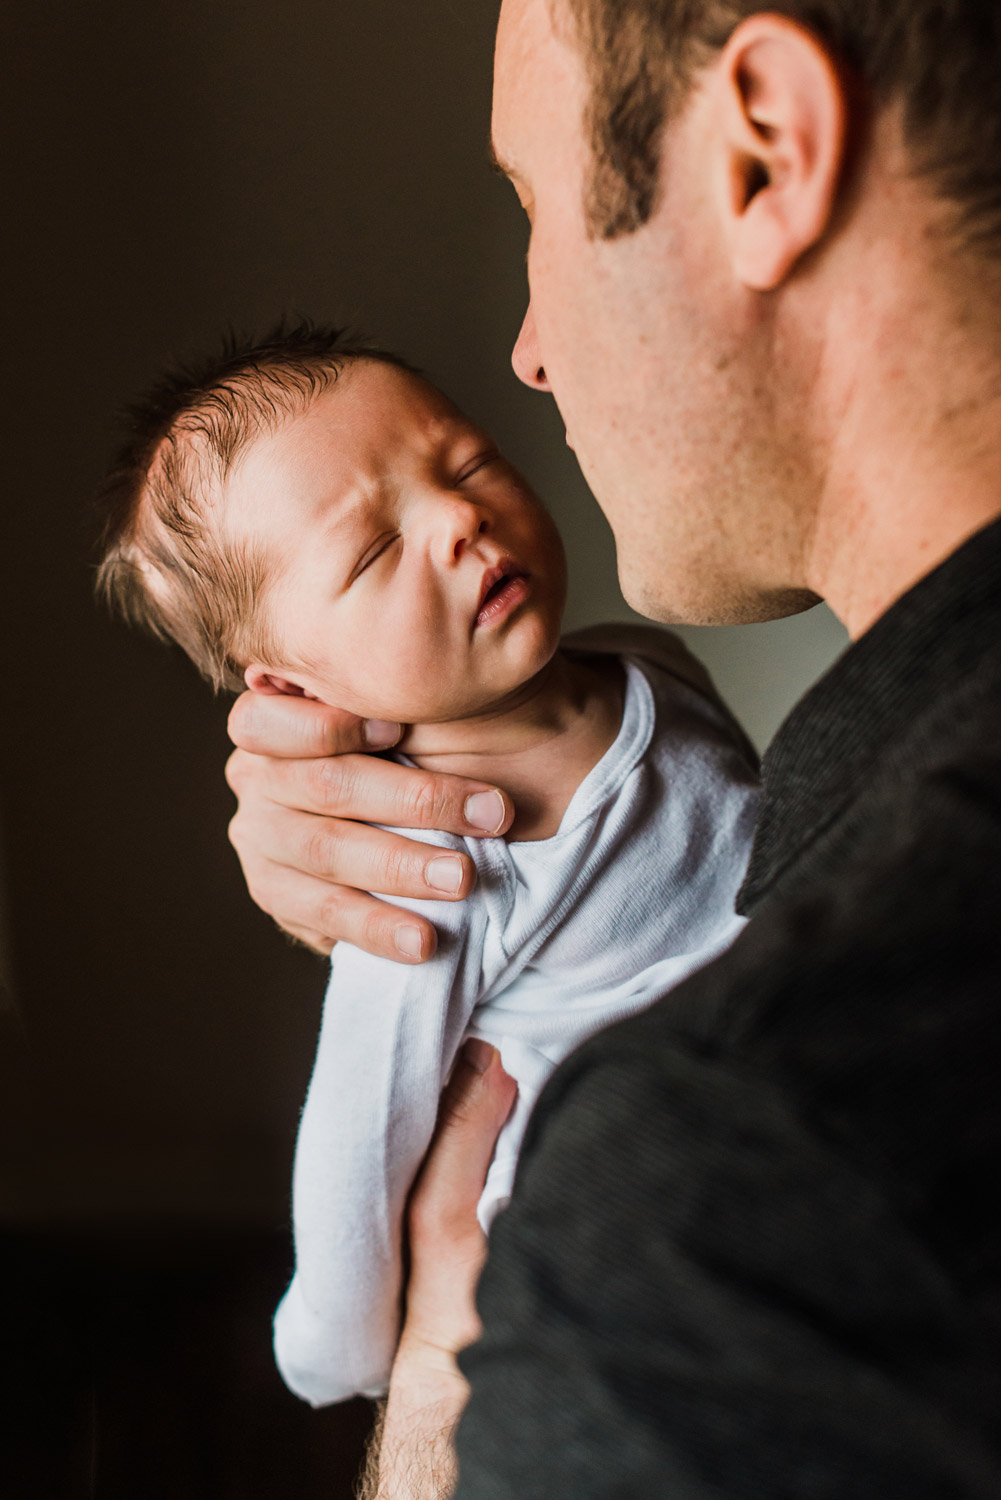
(463, 522)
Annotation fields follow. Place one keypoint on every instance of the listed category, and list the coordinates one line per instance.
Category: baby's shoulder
(688, 716)
(659, 650)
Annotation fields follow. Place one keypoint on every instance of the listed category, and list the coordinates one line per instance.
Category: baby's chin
(473, 721)
(449, 709)
(496, 681)
(451, 702)
(460, 709)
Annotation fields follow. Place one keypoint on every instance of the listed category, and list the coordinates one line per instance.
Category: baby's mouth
(504, 586)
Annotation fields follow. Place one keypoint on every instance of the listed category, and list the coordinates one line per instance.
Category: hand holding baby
(306, 794)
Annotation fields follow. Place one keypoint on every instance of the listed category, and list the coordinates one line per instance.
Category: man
(753, 1246)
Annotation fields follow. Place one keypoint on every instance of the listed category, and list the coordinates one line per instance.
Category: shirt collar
(930, 639)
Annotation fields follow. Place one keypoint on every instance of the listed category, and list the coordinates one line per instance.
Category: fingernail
(479, 1055)
(444, 874)
(410, 941)
(380, 733)
(485, 811)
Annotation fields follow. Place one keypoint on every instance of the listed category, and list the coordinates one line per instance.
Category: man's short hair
(940, 60)
(162, 562)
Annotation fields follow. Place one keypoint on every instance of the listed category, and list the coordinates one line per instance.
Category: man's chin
(674, 601)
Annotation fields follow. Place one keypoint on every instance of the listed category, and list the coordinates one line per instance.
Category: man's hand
(306, 791)
(447, 1249)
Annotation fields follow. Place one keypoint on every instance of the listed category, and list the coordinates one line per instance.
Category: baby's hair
(162, 566)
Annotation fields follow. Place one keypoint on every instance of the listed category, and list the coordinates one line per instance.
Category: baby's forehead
(364, 395)
(404, 398)
(372, 414)
(358, 439)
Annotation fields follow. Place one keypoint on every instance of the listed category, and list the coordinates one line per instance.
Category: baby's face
(415, 576)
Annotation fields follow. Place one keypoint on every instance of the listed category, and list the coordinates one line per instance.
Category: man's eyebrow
(497, 162)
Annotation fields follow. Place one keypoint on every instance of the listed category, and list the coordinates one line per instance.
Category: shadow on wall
(762, 670)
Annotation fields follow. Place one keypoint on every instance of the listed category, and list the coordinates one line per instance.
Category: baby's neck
(538, 744)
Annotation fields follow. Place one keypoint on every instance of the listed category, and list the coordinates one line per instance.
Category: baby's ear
(260, 680)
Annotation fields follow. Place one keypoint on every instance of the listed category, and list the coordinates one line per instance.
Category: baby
(312, 516)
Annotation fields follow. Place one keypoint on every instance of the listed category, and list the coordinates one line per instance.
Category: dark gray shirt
(754, 1248)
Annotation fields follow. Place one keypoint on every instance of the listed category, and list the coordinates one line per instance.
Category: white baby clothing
(561, 937)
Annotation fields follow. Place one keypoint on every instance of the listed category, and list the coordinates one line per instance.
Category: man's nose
(526, 356)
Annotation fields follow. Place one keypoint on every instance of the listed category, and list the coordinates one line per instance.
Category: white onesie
(560, 938)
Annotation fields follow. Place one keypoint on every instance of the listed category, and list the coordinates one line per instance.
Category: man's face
(649, 346)
(415, 577)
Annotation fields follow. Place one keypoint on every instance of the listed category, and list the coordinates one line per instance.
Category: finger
(319, 914)
(347, 854)
(278, 724)
(369, 790)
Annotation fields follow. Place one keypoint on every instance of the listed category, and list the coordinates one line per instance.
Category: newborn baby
(313, 517)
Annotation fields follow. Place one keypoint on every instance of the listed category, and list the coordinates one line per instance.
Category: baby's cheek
(406, 665)
(354, 670)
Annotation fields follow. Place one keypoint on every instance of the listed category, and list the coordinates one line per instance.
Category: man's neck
(899, 505)
(909, 381)
(538, 743)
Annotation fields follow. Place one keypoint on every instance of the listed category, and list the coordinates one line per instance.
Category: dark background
(171, 170)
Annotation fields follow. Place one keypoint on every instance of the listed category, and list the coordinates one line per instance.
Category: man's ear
(784, 108)
(260, 680)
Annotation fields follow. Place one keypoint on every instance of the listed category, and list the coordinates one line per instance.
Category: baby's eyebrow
(352, 519)
(347, 512)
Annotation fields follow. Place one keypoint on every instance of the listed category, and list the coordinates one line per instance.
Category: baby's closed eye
(376, 550)
(476, 464)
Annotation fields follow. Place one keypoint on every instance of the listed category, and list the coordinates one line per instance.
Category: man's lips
(503, 587)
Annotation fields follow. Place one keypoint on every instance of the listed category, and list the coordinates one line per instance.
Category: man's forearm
(415, 1464)
(411, 1454)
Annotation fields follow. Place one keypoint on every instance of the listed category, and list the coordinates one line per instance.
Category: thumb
(476, 1102)
(447, 1245)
